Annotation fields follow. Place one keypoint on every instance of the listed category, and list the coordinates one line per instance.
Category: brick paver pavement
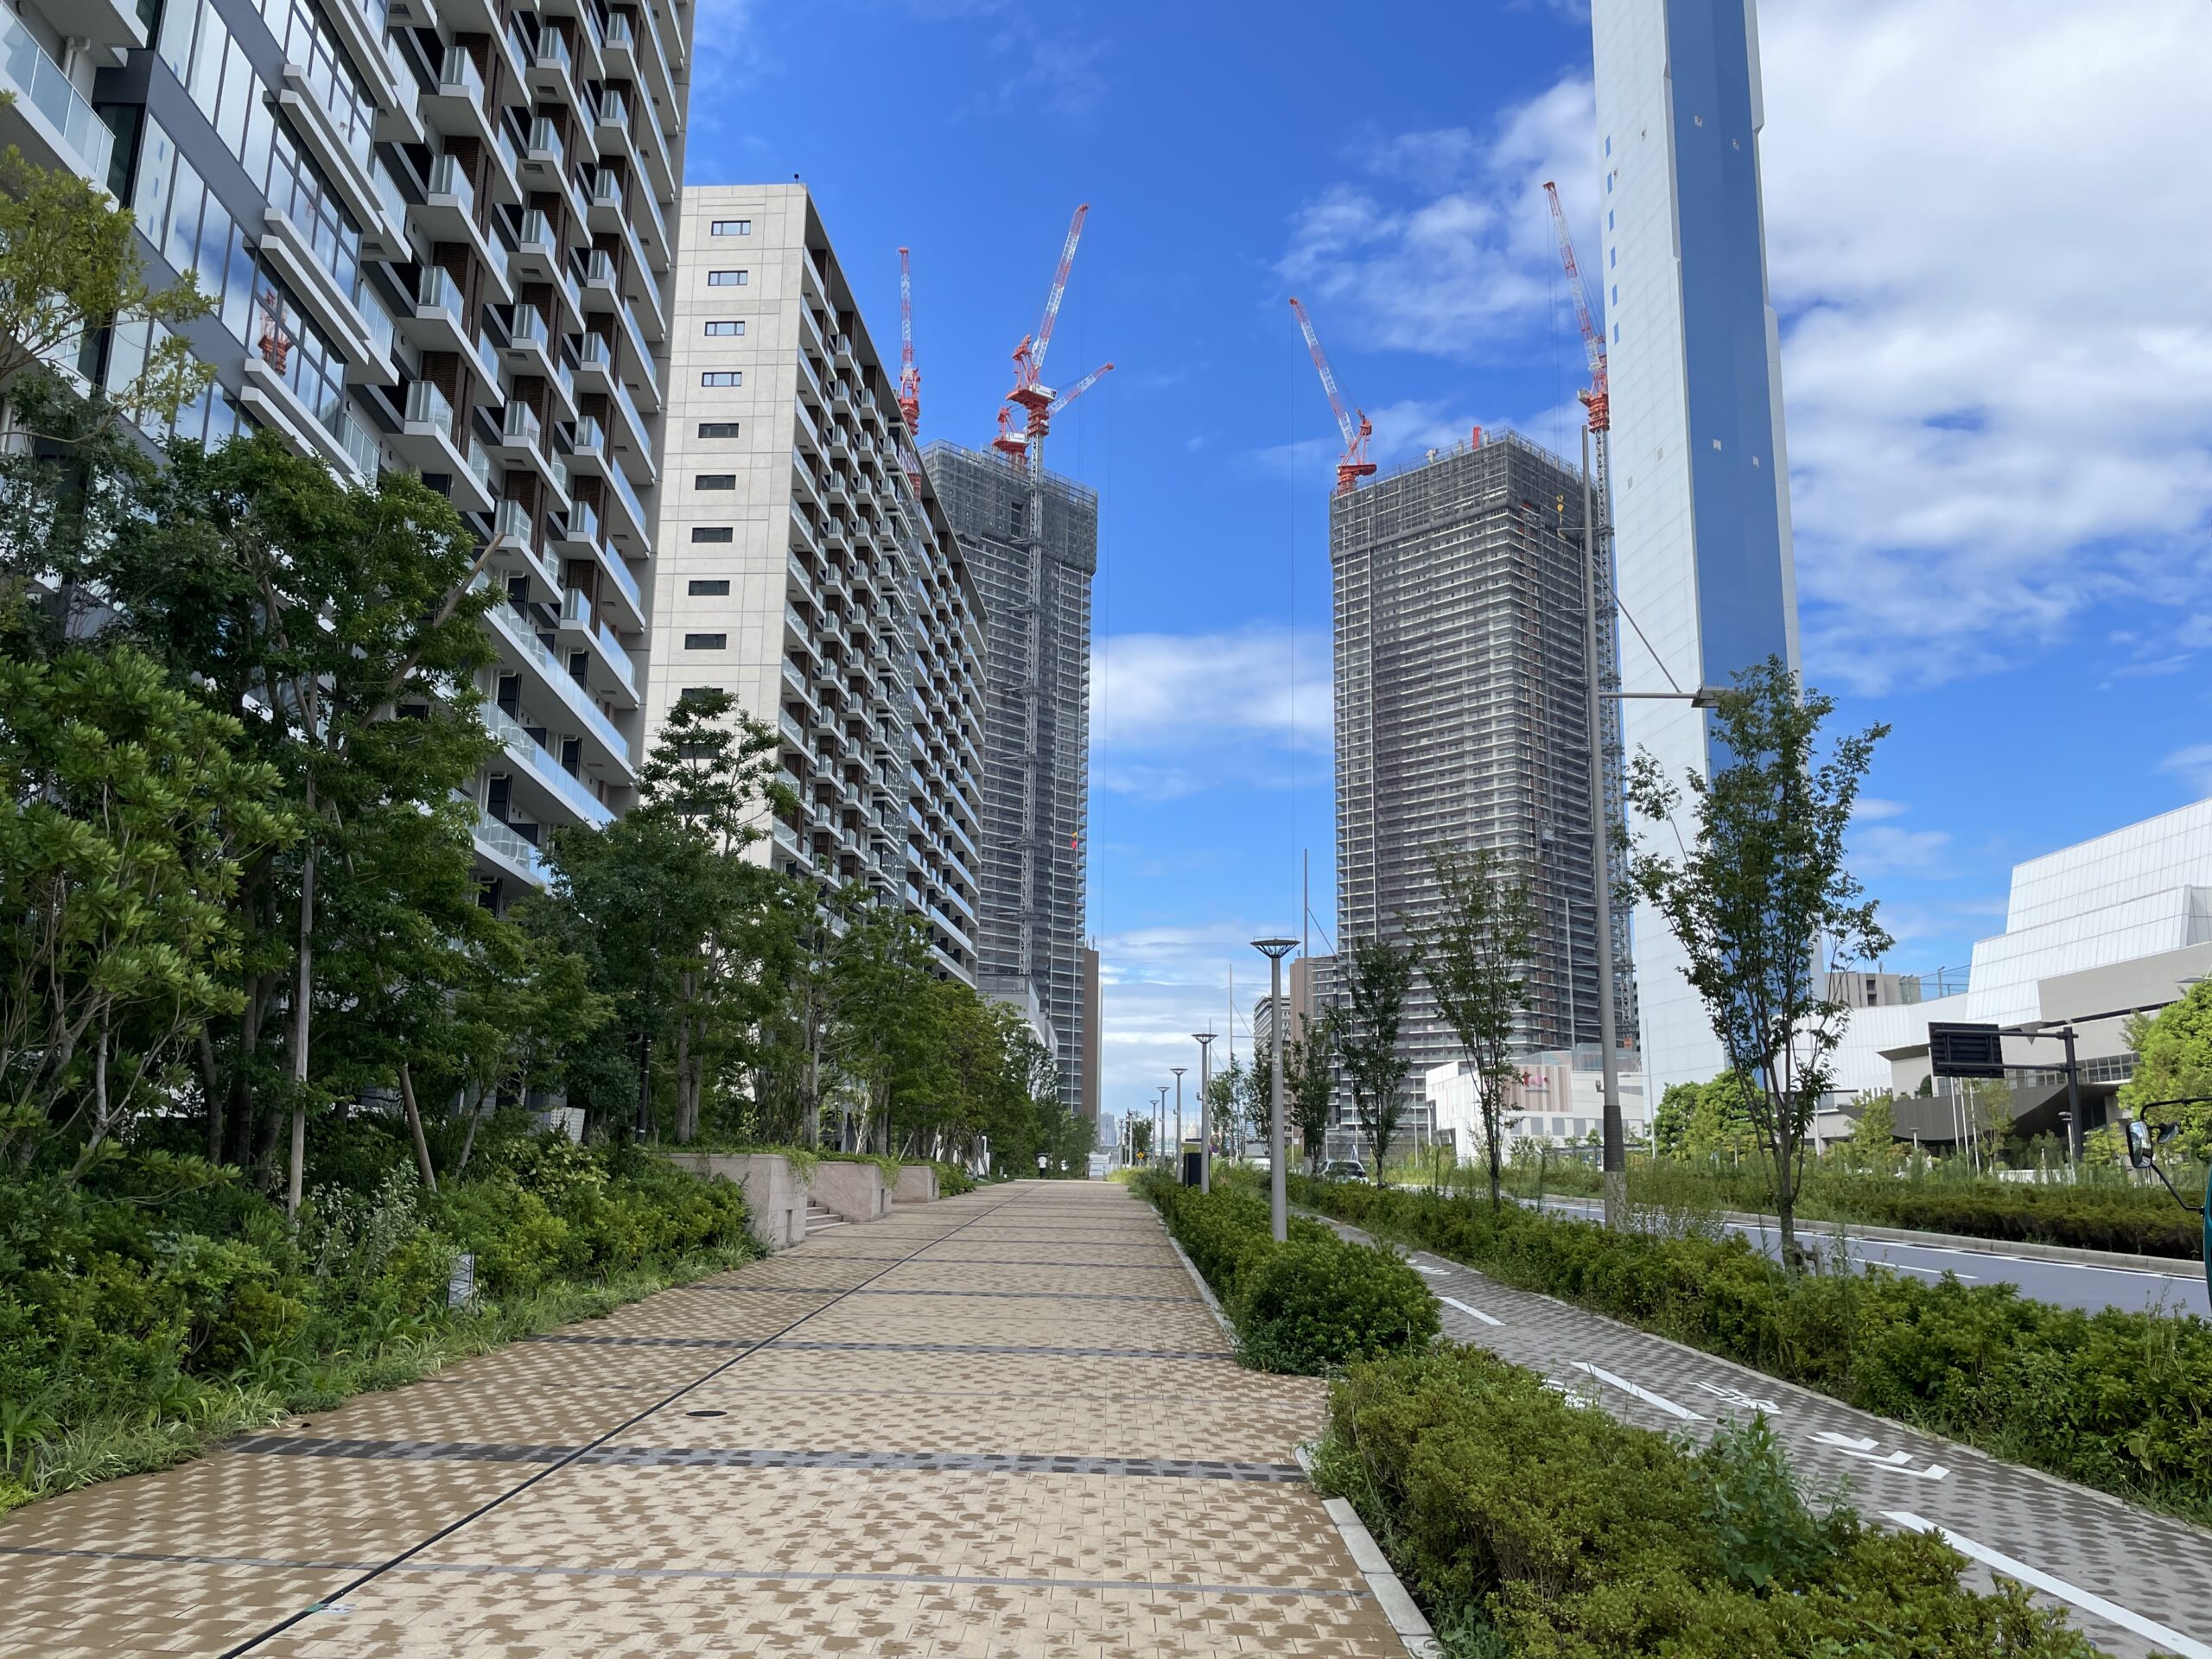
(1004, 1424)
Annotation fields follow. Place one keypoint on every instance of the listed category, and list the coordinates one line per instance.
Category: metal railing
(40, 81)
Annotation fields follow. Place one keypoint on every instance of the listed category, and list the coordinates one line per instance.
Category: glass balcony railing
(497, 838)
(601, 269)
(428, 406)
(389, 194)
(575, 608)
(352, 437)
(621, 485)
(519, 426)
(590, 438)
(545, 139)
(530, 328)
(479, 464)
(619, 37)
(614, 108)
(459, 75)
(617, 572)
(583, 523)
(518, 634)
(572, 791)
(511, 523)
(447, 178)
(553, 53)
(598, 354)
(374, 313)
(38, 80)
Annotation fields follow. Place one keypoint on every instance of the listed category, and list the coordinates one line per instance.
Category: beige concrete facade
(806, 566)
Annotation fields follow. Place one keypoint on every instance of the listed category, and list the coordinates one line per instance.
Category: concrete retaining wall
(856, 1191)
(775, 1200)
(917, 1184)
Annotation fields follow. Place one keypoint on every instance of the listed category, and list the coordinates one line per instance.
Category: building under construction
(1461, 594)
(1035, 581)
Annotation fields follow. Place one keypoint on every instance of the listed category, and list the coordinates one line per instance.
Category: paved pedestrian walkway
(1002, 1424)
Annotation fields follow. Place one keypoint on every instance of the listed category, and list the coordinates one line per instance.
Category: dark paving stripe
(1008, 1348)
(709, 1457)
(1025, 1261)
(160, 1559)
(994, 1463)
(648, 1341)
(989, 1295)
(742, 1575)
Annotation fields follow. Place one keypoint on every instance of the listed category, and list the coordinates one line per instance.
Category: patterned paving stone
(1000, 1425)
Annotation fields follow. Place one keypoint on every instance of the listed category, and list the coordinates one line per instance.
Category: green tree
(1874, 1137)
(1377, 976)
(1757, 890)
(1670, 1123)
(128, 816)
(1223, 1092)
(1309, 1083)
(1721, 1124)
(2173, 1061)
(1476, 958)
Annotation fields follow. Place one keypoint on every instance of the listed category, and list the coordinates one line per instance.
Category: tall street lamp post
(1160, 1121)
(1179, 1070)
(1205, 1040)
(1278, 1191)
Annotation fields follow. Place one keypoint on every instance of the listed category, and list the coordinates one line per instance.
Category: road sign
(1961, 1051)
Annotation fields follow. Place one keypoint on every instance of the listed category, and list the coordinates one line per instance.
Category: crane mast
(910, 377)
(1353, 464)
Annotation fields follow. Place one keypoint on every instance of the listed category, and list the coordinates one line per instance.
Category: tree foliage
(1476, 958)
(1756, 894)
(1377, 976)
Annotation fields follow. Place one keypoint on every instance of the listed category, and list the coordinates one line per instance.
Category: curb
(1411, 1625)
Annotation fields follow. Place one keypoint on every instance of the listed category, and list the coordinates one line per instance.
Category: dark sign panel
(1965, 1050)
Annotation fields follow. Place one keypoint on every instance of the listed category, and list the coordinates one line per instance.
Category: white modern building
(807, 566)
(1700, 480)
(2120, 924)
(1559, 1099)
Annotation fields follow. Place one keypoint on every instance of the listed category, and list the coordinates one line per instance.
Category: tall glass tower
(1700, 490)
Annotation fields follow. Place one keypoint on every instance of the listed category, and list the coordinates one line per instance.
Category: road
(2068, 1284)
(2134, 1580)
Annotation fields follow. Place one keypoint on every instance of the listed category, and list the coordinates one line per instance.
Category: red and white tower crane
(1594, 342)
(910, 377)
(1353, 464)
(1037, 400)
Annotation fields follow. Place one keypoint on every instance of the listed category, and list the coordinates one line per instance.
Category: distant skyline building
(1462, 719)
(803, 569)
(1700, 472)
(1035, 580)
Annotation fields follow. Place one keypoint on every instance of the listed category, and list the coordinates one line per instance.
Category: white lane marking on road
(2149, 1629)
(1419, 1269)
(1571, 1395)
(2031, 1261)
(1933, 1272)
(1644, 1395)
(1738, 1397)
(1864, 1450)
(1453, 1301)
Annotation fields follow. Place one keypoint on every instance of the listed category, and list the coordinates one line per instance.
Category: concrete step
(818, 1219)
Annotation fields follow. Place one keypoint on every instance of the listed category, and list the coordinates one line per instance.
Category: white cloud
(1189, 696)
(1158, 984)
(1999, 384)
(1882, 849)
(2193, 766)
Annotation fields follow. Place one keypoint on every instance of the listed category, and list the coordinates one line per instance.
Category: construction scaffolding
(1462, 717)
(1032, 540)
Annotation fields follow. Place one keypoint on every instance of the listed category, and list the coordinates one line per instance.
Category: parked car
(1344, 1169)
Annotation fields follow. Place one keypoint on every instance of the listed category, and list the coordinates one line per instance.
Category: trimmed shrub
(1528, 1527)
(2121, 1401)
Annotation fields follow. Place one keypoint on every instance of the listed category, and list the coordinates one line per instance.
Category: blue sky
(1997, 372)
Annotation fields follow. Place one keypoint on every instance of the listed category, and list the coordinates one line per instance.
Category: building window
(1608, 219)
(729, 278)
(712, 533)
(722, 377)
(714, 481)
(731, 227)
(705, 642)
(718, 428)
(724, 330)
(710, 590)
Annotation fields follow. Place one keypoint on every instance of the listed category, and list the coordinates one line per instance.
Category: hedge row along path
(1002, 1424)
(2134, 1581)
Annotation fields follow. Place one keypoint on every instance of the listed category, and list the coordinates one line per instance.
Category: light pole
(1160, 1121)
(1278, 1191)
(1205, 1040)
(1179, 1070)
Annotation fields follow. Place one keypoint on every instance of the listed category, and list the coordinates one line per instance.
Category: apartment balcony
(537, 256)
(529, 344)
(429, 435)
(448, 214)
(560, 796)
(621, 599)
(606, 213)
(514, 543)
(653, 227)
(308, 271)
(551, 73)
(473, 488)
(628, 524)
(520, 647)
(600, 291)
(641, 289)
(618, 48)
(459, 105)
(610, 126)
(48, 120)
(578, 620)
(800, 582)
(498, 845)
(506, 165)
(654, 62)
(522, 441)
(434, 324)
(587, 448)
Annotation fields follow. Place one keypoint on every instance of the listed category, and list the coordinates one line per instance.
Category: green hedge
(1310, 1305)
(166, 1301)
(1527, 1527)
(2118, 1401)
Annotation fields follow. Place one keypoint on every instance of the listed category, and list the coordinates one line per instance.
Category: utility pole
(1278, 1190)
(1615, 1157)
(1205, 1040)
(1179, 1070)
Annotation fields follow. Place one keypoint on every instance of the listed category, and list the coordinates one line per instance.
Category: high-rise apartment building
(1700, 492)
(808, 567)
(1034, 545)
(434, 237)
(1461, 588)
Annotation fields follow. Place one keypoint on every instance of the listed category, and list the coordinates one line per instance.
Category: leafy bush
(1307, 1306)
(164, 1300)
(1528, 1527)
(2114, 1399)
(952, 1179)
